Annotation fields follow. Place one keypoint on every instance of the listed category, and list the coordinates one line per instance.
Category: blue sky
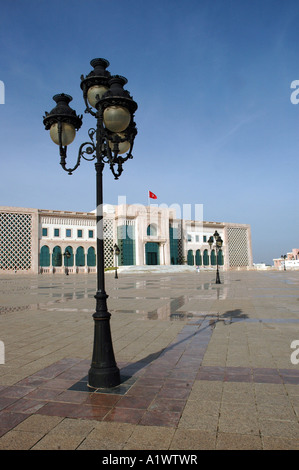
(212, 80)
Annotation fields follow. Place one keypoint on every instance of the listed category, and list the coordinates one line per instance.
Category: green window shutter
(69, 261)
(198, 259)
(44, 256)
(57, 257)
(91, 257)
(190, 258)
(80, 257)
(213, 258)
(220, 258)
(206, 258)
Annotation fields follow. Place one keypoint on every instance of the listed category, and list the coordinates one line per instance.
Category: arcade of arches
(59, 258)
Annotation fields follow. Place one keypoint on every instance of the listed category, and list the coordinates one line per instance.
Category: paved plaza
(203, 365)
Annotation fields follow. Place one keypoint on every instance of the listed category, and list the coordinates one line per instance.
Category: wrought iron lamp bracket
(88, 151)
(87, 148)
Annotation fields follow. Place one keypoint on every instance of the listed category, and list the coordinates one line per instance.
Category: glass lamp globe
(116, 118)
(123, 147)
(93, 91)
(67, 135)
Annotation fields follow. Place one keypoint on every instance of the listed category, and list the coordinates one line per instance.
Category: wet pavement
(203, 365)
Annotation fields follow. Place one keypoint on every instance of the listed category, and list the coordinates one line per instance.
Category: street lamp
(115, 251)
(218, 246)
(284, 257)
(67, 256)
(113, 107)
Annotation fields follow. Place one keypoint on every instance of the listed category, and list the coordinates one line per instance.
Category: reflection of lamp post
(218, 246)
(67, 256)
(115, 251)
(284, 261)
(113, 108)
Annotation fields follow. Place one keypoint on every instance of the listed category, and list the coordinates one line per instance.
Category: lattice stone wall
(16, 241)
(238, 246)
(180, 242)
(108, 242)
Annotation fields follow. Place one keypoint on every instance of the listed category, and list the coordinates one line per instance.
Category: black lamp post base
(103, 372)
(103, 378)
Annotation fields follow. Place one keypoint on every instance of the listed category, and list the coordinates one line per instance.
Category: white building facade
(51, 241)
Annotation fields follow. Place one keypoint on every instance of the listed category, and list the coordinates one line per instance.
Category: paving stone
(205, 368)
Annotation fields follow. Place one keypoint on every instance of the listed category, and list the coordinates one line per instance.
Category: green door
(152, 253)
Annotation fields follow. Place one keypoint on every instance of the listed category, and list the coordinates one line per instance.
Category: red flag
(152, 195)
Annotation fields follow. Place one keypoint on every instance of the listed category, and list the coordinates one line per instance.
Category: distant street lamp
(113, 108)
(67, 256)
(115, 251)
(284, 257)
(218, 246)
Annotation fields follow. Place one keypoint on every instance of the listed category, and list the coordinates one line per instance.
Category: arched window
(190, 258)
(152, 230)
(69, 261)
(56, 257)
(80, 256)
(213, 258)
(198, 259)
(91, 256)
(206, 261)
(44, 260)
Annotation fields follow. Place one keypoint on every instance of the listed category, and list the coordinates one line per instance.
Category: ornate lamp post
(114, 135)
(218, 246)
(67, 256)
(115, 251)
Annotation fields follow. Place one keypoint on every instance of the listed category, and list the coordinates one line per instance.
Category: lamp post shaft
(217, 273)
(103, 372)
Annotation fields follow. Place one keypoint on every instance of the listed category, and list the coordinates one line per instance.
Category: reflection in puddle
(166, 311)
(62, 297)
